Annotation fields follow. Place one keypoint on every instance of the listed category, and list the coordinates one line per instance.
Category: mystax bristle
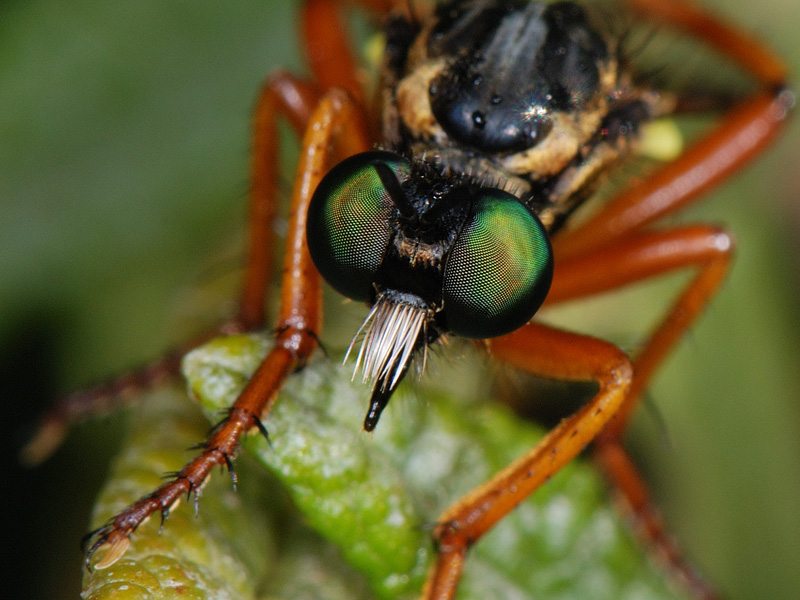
(391, 333)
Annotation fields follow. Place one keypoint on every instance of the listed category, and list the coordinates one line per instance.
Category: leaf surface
(371, 499)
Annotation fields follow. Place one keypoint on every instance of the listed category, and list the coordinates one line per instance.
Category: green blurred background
(123, 178)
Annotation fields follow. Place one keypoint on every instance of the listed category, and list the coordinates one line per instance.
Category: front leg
(553, 353)
(296, 332)
(283, 95)
(634, 258)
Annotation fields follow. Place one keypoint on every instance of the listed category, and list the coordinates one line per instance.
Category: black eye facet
(349, 220)
(499, 269)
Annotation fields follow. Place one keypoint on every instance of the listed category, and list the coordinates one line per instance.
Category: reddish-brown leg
(329, 51)
(741, 135)
(331, 58)
(607, 244)
(646, 521)
(608, 252)
(548, 352)
(636, 257)
(633, 258)
(100, 399)
(328, 48)
(282, 95)
(335, 124)
(545, 351)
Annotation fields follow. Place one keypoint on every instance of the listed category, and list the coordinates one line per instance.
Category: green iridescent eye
(499, 269)
(348, 220)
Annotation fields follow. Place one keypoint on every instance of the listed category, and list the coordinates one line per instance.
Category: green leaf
(204, 557)
(125, 129)
(373, 497)
(230, 548)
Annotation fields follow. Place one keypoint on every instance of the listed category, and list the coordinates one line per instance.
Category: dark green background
(123, 177)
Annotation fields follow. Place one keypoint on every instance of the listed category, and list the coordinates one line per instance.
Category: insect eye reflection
(476, 257)
(348, 222)
(499, 270)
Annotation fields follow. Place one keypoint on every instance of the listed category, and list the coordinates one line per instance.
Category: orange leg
(632, 259)
(635, 258)
(336, 124)
(282, 95)
(742, 134)
(328, 49)
(609, 251)
(748, 52)
(334, 65)
(595, 246)
(646, 521)
(554, 353)
(334, 128)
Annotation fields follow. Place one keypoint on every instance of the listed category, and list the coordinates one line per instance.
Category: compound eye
(499, 269)
(349, 220)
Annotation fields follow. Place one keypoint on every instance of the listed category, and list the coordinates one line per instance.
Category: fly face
(433, 253)
(498, 117)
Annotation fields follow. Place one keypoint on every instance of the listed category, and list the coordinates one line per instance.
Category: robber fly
(498, 120)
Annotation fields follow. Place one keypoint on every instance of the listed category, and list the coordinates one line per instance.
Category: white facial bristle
(389, 338)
